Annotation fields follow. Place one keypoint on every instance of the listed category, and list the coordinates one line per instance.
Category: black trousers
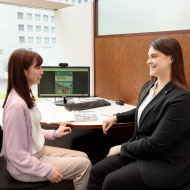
(116, 173)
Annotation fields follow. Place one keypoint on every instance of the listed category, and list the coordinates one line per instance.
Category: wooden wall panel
(120, 64)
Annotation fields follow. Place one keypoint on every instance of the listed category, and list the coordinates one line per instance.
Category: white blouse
(38, 139)
(146, 101)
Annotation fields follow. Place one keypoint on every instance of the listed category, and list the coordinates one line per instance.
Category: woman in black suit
(158, 155)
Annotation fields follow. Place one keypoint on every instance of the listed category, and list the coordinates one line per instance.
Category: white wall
(75, 37)
(137, 16)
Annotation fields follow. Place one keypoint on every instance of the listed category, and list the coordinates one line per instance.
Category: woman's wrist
(115, 118)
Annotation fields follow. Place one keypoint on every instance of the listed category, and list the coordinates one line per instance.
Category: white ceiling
(38, 3)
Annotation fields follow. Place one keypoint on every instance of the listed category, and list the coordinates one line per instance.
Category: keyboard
(87, 105)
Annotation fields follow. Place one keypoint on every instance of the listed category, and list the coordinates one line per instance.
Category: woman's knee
(83, 154)
(85, 163)
(113, 182)
(96, 170)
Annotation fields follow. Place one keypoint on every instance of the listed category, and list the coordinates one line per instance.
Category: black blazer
(161, 142)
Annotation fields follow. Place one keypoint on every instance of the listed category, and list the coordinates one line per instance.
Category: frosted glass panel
(137, 16)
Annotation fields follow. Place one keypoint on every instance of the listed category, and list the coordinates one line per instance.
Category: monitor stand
(63, 102)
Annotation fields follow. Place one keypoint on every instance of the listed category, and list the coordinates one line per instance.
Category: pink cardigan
(17, 139)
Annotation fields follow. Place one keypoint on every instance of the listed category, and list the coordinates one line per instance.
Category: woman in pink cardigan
(28, 159)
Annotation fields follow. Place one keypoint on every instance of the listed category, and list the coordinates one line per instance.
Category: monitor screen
(64, 82)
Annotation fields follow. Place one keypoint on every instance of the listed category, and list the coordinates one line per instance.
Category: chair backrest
(1, 138)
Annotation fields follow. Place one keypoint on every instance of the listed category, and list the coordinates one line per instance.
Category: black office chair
(187, 187)
(7, 182)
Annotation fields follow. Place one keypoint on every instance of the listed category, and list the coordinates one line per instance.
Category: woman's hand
(56, 176)
(114, 150)
(63, 129)
(108, 123)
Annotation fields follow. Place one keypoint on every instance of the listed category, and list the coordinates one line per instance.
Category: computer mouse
(119, 102)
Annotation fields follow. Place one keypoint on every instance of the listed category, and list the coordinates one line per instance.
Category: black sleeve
(128, 116)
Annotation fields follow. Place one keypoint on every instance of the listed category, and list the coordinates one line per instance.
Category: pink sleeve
(16, 144)
(51, 134)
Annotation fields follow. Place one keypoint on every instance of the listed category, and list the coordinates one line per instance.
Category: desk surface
(52, 114)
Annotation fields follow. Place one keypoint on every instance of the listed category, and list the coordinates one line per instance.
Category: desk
(52, 114)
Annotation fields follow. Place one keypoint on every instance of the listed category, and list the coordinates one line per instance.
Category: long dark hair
(171, 47)
(20, 60)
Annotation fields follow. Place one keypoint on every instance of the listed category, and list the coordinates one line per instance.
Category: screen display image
(65, 82)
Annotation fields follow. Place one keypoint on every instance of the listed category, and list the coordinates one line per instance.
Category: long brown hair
(20, 60)
(171, 47)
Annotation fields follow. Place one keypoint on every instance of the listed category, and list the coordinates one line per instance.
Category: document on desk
(58, 114)
(87, 117)
(71, 117)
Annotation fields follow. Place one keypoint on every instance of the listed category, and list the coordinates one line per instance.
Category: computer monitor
(64, 82)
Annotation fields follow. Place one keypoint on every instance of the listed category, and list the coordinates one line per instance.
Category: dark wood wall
(120, 63)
